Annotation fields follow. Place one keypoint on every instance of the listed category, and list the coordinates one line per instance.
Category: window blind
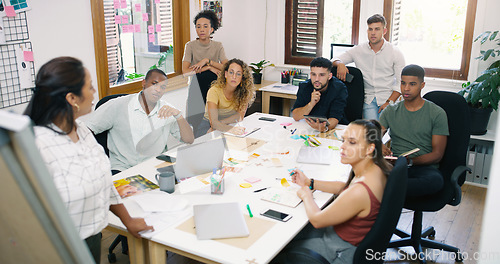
(112, 40)
(307, 28)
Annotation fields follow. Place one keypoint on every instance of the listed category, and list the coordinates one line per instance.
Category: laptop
(200, 158)
(222, 220)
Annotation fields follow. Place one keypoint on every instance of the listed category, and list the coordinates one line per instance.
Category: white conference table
(269, 244)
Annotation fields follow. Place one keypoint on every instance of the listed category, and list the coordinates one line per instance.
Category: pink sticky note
(252, 179)
(124, 3)
(151, 29)
(9, 11)
(117, 4)
(151, 37)
(137, 28)
(285, 124)
(137, 7)
(158, 28)
(124, 19)
(145, 17)
(125, 29)
(157, 1)
(28, 55)
(118, 19)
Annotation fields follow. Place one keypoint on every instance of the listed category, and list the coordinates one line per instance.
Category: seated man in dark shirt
(323, 95)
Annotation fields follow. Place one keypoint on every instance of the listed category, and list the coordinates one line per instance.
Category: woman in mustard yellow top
(229, 97)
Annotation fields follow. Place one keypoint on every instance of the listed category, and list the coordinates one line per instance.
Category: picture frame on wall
(216, 6)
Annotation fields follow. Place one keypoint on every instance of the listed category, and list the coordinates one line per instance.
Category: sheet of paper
(159, 201)
(194, 183)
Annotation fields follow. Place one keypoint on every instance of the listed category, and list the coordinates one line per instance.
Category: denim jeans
(370, 111)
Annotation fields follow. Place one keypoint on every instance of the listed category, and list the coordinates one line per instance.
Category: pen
(249, 211)
(259, 190)
(294, 131)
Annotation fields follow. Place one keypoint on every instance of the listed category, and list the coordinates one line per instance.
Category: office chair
(356, 95)
(197, 98)
(102, 139)
(453, 169)
(376, 241)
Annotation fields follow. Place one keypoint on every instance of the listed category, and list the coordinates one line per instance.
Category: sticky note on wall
(28, 55)
(9, 11)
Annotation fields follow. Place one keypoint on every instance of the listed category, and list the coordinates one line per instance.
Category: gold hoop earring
(77, 108)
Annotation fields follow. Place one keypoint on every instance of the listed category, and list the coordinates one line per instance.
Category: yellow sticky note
(285, 183)
(245, 185)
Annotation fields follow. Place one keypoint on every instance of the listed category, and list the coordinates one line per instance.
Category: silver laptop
(199, 158)
(222, 220)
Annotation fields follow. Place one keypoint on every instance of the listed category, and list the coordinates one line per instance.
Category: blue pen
(294, 131)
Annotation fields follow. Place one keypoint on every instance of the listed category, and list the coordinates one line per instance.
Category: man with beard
(381, 64)
(321, 96)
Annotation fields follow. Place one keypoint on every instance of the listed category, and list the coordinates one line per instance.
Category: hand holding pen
(299, 177)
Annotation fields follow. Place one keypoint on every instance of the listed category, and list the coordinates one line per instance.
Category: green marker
(249, 211)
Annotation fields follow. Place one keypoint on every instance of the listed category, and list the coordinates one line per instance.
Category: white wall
(61, 28)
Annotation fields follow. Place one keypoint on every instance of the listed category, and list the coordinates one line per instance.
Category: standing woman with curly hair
(229, 98)
(203, 59)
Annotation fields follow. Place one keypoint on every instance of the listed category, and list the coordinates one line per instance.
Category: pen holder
(216, 184)
(285, 79)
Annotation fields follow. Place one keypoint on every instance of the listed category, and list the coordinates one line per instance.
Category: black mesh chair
(102, 139)
(376, 241)
(356, 95)
(453, 169)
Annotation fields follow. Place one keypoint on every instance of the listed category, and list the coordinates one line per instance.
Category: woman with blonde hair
(229, 97)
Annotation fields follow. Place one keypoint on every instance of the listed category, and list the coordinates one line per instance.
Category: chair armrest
(454, 181)
(301, 253)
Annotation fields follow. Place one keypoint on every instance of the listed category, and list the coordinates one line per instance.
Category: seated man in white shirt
(139, 124)
(381, 64)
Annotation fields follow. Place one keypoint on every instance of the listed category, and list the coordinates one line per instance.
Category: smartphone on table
(166, 158)
(283, 217)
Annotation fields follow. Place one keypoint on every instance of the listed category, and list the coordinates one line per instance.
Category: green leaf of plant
(487, 54)
(481, 35)
(493, 35)
(485, 37)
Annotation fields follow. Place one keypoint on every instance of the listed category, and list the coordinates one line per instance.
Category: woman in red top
(336, 230)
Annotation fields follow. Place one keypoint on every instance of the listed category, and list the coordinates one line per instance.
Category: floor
(456, 225)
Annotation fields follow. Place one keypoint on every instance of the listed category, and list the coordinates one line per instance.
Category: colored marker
(249, 211)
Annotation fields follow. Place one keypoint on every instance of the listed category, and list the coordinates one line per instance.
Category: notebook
(222, 220)
(315, 155)
(199, 158)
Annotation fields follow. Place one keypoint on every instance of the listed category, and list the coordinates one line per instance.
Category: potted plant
(483, 94)
(257, 70)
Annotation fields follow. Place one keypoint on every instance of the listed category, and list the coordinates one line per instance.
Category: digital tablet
(320, 118)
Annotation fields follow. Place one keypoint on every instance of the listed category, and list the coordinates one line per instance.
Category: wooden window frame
(458, 74)
(181, 27)
(290, 25)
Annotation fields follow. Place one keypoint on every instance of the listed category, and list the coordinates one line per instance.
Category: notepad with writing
(248, 131)
(284, 196)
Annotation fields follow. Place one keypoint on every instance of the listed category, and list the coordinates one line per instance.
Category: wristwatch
(410, 163)
(389, 101)
(311, 185)
(326, 129)
(177, 115)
